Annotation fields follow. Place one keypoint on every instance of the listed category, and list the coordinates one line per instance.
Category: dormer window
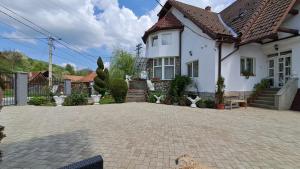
(154, 41)
(166, 39)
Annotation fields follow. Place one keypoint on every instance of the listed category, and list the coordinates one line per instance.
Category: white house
(250, 38)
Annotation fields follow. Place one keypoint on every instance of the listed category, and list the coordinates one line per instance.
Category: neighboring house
(80, 83)
(38, 77)
(256, 38)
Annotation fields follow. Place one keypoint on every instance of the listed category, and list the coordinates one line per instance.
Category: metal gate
(9, 92)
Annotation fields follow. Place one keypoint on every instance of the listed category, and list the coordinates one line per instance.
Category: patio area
(149, 136)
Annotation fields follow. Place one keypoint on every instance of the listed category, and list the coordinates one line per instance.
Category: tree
(102, 78)
(122, 64)
(69, 68)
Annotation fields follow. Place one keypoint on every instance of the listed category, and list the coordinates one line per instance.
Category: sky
(92, 27)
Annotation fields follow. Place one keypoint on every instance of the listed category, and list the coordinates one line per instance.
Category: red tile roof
(169, 21)
(73, 78)
(257, 19)
(89, 78)
(81, 79)
(253, 20)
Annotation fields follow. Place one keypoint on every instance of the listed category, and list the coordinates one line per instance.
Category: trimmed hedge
(76, 99)
(38, 101)
(119, 90)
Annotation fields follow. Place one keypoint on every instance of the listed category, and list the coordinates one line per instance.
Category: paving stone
(150, 136)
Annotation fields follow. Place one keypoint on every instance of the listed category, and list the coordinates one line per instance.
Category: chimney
(208, 8)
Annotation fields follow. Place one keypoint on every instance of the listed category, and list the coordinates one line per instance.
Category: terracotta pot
(220, 106)
(243, 105)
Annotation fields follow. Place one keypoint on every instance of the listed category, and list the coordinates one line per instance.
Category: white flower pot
(96, 99)
(59, 100)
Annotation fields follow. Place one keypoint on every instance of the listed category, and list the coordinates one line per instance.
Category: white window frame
(246, 66)
(169, 35)
(192, 73)
(155, 37)
(163, 65)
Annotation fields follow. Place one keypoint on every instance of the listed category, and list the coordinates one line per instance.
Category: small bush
(151, 98)
(119, 90)
(178, 86)
(206, 104)
(76, 99)
(38, 101)
(107, 99)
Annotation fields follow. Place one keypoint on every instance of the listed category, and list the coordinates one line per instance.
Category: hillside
(17, 61)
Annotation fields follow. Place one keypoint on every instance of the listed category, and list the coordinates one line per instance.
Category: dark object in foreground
(91, 163)
(2, 135)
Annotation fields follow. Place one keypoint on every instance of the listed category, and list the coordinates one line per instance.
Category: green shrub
(119, 90)
(206, 104)
(101, 79)
(107, 99)
(264, 84)
(76, 99)
(220, 90)
(177, 87)
(151, 98)
(38, 101)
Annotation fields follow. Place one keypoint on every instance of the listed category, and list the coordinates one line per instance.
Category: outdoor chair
(91, 163)
(234, 100)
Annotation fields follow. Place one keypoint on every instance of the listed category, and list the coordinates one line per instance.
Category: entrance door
(280, 68)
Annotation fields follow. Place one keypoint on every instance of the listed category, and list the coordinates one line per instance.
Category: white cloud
(75, 21)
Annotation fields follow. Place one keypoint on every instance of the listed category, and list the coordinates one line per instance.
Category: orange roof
(89, 78)
(83, 79)
(73, 78)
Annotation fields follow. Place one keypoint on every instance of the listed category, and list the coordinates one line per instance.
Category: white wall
(163, 50)
(202, 49)
(292, 22)
(231, 67)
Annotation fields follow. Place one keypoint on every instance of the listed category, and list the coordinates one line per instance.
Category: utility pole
(138, 50)
(51, 46)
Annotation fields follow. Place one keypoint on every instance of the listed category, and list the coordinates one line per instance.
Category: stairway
(265, 99)
(296, 103)
(137, 91)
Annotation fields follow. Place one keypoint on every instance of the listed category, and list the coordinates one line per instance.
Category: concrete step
(265, 98)
(265, 106)
(266, 102)
(266, 95)
(269, 92)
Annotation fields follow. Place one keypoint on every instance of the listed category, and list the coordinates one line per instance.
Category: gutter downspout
(220, 60)
(180, 50)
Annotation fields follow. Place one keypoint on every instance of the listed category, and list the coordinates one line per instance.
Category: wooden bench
(234, 98)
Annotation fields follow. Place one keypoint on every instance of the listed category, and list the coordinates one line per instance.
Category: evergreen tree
(101, 80)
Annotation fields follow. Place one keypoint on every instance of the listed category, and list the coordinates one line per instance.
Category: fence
(9, 91)
(40, 87)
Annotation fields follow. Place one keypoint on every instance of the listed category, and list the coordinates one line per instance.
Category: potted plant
(247, 74)
(220, 94)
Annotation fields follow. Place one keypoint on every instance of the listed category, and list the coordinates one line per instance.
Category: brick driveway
(138, 136)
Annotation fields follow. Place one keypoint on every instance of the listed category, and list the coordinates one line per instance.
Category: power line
(57, 39)
(164, 8)
(40, 39)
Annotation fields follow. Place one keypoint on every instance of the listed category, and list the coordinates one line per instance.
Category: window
(164, 68)
(169, 68)
(247, 67)
(154, 41)
(158, 68)
(166, 39)
(193, 69)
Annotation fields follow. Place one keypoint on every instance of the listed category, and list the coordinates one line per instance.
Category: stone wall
(162, 85)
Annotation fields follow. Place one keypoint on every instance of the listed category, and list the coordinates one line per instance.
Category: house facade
(248, 41)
